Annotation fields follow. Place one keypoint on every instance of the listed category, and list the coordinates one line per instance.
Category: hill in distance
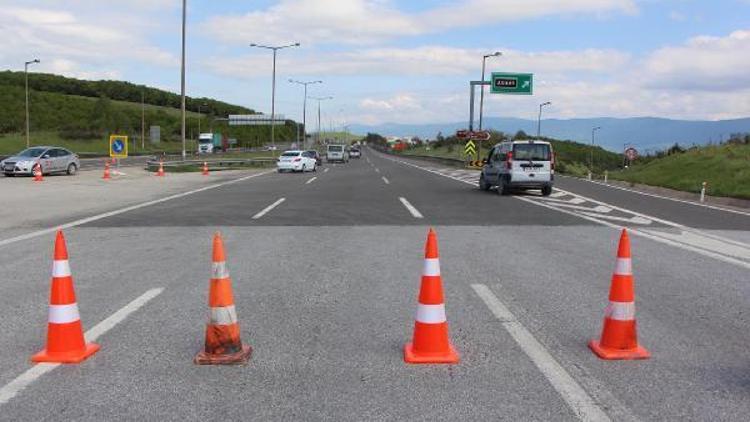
(644, 133)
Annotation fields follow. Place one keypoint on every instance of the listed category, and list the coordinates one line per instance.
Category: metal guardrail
(152, 165)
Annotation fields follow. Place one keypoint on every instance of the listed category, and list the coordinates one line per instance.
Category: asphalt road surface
(326, 269)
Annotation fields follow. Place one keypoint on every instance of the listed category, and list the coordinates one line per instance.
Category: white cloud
(369, 21)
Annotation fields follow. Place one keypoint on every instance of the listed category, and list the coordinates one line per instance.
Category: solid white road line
(268, 208)
(414, 212)
(386, 181)
(14, 387)
(311, 180)
(326, 170)
(124, 210)
(574, 395)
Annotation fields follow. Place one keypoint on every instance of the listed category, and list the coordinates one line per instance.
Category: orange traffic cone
(65, 342)
(106, 171)
(205, 168)
(160, 172)
(430, 343)
(223, 344)
(37, 171)
(619, 339)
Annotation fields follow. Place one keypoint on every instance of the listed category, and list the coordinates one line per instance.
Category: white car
(297, 161)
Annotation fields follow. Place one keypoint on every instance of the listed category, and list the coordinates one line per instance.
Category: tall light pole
(539, 121)
(481, 95)
(182, 78)
(199, 117)
(591, 157)
(304, 107)
(319, 100)
(273, 83)
(26, 73)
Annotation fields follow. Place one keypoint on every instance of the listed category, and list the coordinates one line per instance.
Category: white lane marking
(635, 220)
(649, 235)
(584, 407)
(14, 387)
(311, 180)
(377, 170)
(268, 208)
(598, 208)
(326, 170)
(574, 201)
(414, 212)
(385, 180)
(124, 210)
(653, 195)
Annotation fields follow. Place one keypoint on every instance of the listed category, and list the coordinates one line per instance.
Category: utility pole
(591, 156)
(304, 108)
(539, 121)
(319, 100)
(143, 121)
(273, 83)
(481, 95)
(182, 78)
(26, 73)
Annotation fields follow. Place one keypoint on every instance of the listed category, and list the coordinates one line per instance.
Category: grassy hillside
(66, 115)
(726, 168)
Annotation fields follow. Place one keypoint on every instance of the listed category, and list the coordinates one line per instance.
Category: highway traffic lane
(445, 201)
(686, 214)
(328, 335)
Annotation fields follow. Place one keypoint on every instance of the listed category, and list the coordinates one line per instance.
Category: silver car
(51, 159)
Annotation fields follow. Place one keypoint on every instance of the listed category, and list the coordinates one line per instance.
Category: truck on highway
(209, 143)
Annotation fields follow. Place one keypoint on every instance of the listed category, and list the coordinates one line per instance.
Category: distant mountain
(642, 132)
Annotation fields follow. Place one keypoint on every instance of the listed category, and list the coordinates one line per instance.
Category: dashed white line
(377, 170)
(414, 212)
(386, 181)
(14, 387)
(267, 209)
(311, 180)
(123, 210)
(574, 395)
(326, 170)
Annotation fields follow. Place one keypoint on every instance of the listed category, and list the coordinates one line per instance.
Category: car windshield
(531, 152)
(32, 152)
(291, 154)
(335, 148)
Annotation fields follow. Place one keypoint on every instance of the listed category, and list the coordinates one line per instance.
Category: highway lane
(325, 285)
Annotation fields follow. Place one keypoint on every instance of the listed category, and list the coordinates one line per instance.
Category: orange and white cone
(619, 338)
(106, 171)
(160, 172)
(65, 342)
(37, 171)
(223, 344)
(430, 343)
(205, 168)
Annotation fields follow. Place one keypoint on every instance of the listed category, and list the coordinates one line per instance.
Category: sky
(387, 61)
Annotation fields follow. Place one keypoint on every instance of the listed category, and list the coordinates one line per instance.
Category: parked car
(355, 152)
(296, 161)
(519, 165)
(338, 153)
(51, 159)
(316, 155)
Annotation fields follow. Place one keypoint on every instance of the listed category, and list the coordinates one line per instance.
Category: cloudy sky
(406, 61)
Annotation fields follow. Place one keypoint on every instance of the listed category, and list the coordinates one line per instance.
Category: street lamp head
(297, 44)
(497, 53)
(36, 61)
(547, 103)
(253, 45)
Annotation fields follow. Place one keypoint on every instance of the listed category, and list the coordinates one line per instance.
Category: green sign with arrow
(512, 83)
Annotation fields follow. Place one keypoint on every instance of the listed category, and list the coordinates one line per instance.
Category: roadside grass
(726, 169)
(15, 142)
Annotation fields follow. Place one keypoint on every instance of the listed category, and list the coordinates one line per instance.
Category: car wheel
(72, 169)
(315, 168)
(483, 185)
(502, 187)
(547, 190)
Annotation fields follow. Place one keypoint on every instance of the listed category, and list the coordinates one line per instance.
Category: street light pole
(539, 121)
(304, 107)
(481, 95)
(182, 79)
(591, 157)
(273, 83)
(26, 73)
(199, 117)
(319, 100)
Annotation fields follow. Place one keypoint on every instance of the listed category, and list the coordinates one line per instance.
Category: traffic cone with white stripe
(65, 342)
(619, 339)
(223, 344)
(160, 172)
(106, 175)
(205, 169)
(37, 171)
(430, 343)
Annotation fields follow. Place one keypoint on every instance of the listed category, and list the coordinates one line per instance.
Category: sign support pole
(472, 84)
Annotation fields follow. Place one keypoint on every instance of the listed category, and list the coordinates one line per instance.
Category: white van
(337, 153)
(519, 165)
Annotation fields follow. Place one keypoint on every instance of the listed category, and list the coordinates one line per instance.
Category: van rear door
(532, 162)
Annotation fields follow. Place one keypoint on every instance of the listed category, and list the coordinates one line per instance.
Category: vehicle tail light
(297, 159)
(509, 161)
(552, 161)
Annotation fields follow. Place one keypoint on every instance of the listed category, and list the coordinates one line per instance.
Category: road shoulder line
(267, 209)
